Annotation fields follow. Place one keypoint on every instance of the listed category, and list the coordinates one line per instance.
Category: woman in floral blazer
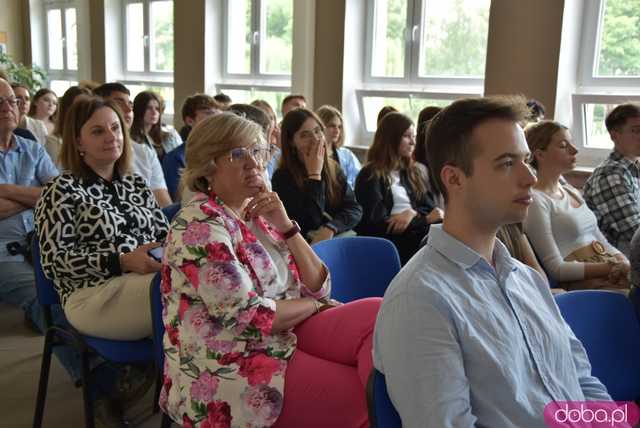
(244, 298)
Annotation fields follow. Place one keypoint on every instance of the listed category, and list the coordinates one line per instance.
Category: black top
(84, 224)
(375, 196)
(309, 206)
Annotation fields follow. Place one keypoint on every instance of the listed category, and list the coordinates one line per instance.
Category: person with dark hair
(145, 159)
(424, 118)
(536, 111)
(292, 102)
(44, 107)
(392, 189)
(562, 229)
(385, 111)
(36, 127)
(612, 191)
(334, 134)
(147, 126)
(223, 100)
(54, 139)
(312, 187)
(464, 328)
(273, 138)
(195, 109)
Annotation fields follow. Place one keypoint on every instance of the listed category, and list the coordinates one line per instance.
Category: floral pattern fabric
(223, 365)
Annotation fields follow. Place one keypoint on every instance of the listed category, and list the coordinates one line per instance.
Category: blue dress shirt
(350, 165)
(464, 344)
(25, 163)
(172, 165)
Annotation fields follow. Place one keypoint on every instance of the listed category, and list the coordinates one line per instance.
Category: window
(609, 72)
(62, 44)
(258, 40)
(420, 53)
(242, 94)
(148, 48)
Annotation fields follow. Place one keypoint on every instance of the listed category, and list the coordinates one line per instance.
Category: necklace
(221, 203)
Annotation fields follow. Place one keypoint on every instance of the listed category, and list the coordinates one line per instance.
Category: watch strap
(294, 230)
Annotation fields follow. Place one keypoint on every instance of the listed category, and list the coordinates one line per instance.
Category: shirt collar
(619, 157)
(17, 144)
(93, 178)
(465, 257)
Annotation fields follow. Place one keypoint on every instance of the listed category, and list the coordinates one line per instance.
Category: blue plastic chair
(158, 335)
(170, 211)
(382, 414)
(360, 266)
(112, 350)
(607, 325)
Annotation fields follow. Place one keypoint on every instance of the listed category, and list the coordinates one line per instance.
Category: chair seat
(122, 351)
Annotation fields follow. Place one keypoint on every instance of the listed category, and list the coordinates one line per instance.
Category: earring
(81, 153)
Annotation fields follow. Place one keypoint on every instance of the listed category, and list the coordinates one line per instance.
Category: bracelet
(293, 231)
(314, 175)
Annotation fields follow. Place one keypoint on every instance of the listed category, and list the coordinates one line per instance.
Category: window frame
(254, 79)
(146, 76)
(64, 74)
(416, 12)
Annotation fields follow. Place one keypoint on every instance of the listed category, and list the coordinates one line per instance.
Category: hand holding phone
(156, 253)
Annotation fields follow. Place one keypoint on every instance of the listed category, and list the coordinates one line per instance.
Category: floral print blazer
(223, 365)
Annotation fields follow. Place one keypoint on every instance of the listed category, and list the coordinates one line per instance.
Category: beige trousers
(119, 309)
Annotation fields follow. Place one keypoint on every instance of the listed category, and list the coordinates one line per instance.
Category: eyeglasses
(12, 101)
(258, 153)
(315, 133)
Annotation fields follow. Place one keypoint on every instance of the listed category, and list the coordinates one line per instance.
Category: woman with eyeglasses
(44, 106)
(393, 188)
(248, 340)
(147, 127)
(312, 186)
(562, 229)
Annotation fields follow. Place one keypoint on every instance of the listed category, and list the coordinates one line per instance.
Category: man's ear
(453, 178)
(615, 135)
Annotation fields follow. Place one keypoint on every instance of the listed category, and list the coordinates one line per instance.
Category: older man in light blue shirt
(467, 335)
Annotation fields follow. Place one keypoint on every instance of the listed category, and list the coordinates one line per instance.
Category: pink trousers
(325, 381)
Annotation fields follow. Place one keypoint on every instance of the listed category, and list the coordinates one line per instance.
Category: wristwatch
(294, 230)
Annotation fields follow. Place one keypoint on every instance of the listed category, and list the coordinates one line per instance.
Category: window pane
(388, 47)
(597, 135)
(246, 96)
(276, 39)
(135, 37)
(409, 106)
(60, 86)
(239, 35)
(619, 39)
(54, 29)
(161, 17)
(454, 38)
(72, 39)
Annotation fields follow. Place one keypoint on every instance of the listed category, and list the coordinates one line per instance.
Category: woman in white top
(147, 127)
(44, 106)
(562, 229)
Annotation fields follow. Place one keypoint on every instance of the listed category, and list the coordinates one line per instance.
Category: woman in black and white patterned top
(96, 224)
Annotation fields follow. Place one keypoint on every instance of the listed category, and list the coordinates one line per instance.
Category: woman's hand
(435, 216)
(139, 261)
(313, 158)
(398, 223)
(269, 206)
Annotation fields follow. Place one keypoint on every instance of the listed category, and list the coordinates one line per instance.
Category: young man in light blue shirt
(467, 335)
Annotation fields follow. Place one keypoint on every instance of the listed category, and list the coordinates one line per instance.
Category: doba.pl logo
(592, 414)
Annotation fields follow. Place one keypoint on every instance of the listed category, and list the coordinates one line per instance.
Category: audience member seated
(35, 126)
(145, 160)
(195, 109)
(392, 188)
(274, 138)
(311, 185)
(612, 191)
(562, 229)
(292, 102)
(248, 341)
(54, 139)
(44, 107)
(223, 100)
(424, 118)
(147, 127)
(334, 134)
(383, 112)
(536, 111)
(466, 335)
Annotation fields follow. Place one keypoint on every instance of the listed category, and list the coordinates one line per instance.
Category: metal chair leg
(44, 379)
(86, 393)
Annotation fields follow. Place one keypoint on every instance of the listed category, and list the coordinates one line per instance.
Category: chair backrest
(45, 289)
(360, 266)
(156, 318)
(170, 211)
(607, 325)
(382, 414)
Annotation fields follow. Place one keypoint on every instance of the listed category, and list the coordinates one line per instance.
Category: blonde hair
(83, 108)
(539, 136)
(211, 138)
(327, 113)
